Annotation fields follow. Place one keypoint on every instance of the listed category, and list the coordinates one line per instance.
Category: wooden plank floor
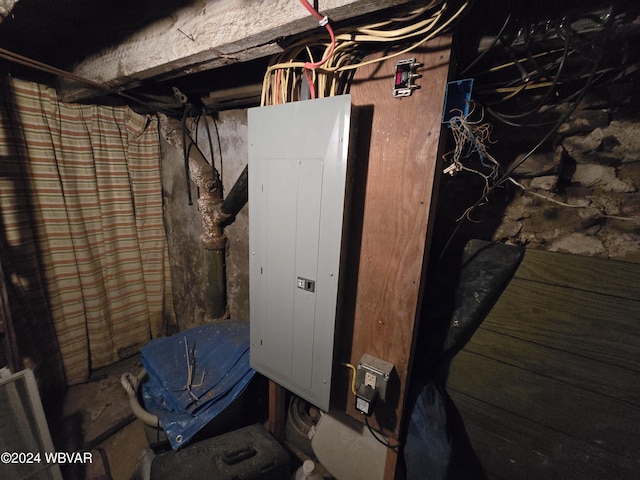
(549, 385)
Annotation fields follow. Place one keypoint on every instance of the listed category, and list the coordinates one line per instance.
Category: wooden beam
(277, 410)
(211, 35)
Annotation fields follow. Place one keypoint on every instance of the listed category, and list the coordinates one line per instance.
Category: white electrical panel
(297, 188)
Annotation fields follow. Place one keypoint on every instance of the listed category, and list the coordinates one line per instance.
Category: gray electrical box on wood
(297, 188)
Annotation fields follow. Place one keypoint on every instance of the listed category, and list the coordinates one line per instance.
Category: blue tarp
(218, 357)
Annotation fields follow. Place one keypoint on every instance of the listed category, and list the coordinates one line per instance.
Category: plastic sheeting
(195, 375)
(437, 445)
(428, 450)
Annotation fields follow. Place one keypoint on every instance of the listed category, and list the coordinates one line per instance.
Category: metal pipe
(216, 298)
(238, 195)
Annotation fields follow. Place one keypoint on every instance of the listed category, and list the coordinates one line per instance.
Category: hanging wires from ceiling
(498, 178)
(532, 69)
(344, 52)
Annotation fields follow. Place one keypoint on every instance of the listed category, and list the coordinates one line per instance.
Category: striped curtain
(80, 190)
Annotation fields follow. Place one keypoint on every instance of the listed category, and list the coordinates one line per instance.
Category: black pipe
(238, 196)
(216, 288)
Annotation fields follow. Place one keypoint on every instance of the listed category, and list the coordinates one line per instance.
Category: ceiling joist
(204, 36)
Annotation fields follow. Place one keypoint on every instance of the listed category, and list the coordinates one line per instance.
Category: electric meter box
(298, 182)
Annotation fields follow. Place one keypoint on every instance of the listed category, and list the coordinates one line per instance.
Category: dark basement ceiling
(62, 33)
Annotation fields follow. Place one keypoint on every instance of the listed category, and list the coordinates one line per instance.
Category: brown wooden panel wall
(397, 173)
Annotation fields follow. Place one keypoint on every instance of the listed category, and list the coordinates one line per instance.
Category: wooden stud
(277, 410)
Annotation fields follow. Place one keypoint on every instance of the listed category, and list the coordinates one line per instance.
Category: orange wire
(277, 87)
(312, 88)
(320, 18)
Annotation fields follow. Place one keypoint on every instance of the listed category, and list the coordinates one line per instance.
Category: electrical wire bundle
(325, 66)
(470, 138)
(537, 70)
(549, 65)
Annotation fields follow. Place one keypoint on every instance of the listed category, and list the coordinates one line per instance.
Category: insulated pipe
(131, 383)
(213, 239)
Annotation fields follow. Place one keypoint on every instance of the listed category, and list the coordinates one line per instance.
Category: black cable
(506, 175)
(505, 118)
(493, 44)
(185, 152)
(216, 175)
(380, 440)
(508, 118)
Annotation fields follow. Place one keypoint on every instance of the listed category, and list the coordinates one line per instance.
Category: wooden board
(397, 172)
(548, 384)
(596, 326)
(395, 188)
(574, 370)
(597, 419)
(512, 446)
(277, 411)
(207, 35)
(591, 274)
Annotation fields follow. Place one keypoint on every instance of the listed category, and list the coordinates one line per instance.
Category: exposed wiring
(505, 177)
(217, 175)
(579, 96)
(221, 172)
(323, 21)
(186, 149)
(188, 143)
(470, 138)
(551, 86)
(539, 73)
(332, 74)
(312, 87)
(495, 41)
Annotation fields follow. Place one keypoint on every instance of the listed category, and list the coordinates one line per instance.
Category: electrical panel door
(297, 188)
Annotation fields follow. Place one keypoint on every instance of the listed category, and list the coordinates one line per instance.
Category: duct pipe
(213, 239)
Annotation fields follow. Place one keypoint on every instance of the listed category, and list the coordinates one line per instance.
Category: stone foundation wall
(590, 181)
(581, 188)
